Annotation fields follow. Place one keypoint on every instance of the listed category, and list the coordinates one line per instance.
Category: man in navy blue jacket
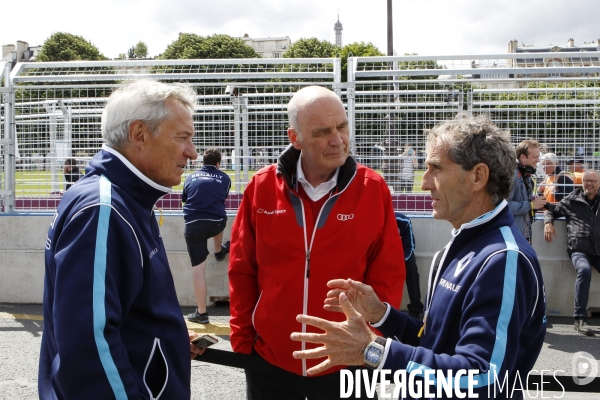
(204, 194)
(113, 328)
(485, 307)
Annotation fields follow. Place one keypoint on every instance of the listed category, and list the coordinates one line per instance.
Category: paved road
(21, 330)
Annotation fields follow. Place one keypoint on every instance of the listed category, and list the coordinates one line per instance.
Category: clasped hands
(342, 342)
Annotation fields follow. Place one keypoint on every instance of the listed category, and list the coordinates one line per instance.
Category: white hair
(142, 100)
(551, 157)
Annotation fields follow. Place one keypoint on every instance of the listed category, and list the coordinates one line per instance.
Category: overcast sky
(427, 27)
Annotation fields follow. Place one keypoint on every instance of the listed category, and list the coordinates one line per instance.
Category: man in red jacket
(312, 217)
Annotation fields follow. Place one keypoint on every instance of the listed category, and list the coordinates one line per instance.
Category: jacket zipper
(308, 249)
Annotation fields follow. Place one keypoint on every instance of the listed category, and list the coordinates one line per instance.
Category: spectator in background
(557, 183)
(204, 195)
(575, 166)
(408, 164)
(71, 171)
(521, 200)
(415, 307)
(583, 226)
(540, 174)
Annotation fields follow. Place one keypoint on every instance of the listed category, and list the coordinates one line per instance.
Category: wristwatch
(373, 353)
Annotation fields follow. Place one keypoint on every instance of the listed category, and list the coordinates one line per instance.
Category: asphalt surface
(21, 330)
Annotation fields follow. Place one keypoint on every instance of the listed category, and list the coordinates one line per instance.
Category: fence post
(350, 100)
(9, 142)
(246, 149)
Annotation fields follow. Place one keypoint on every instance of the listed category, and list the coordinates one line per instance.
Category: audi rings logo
(345, 217)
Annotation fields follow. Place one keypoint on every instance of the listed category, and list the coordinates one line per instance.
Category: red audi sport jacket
(280, 262)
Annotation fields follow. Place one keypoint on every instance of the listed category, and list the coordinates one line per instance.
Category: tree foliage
(141, 50)
(131, 53)
(63, 46)
(357, 49)
(312, 48)
(192, 46)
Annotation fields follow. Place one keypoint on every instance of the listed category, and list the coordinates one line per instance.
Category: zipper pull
(422, 330)
(307, 264)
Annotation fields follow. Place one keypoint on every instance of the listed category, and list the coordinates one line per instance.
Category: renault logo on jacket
(345, 217)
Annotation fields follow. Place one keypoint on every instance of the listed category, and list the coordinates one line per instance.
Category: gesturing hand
(343, 342)
(363, 299)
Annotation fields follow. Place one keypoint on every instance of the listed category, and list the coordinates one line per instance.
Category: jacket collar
(286, 167)
(498, 215)
(123, 174)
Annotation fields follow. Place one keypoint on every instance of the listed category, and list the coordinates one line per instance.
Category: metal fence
(551, 97)
(53, 110)
(241, 110)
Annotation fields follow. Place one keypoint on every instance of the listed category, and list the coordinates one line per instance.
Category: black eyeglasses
(589, 181)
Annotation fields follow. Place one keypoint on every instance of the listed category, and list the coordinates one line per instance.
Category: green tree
(122, 56)
(357, 49)
(63, 46)
(192, 46)
(131, 53)
(312, 48)
(141, 50)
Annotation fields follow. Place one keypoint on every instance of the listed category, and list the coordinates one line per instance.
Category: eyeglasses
(589, 181)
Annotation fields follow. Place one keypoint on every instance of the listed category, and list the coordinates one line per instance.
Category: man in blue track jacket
(113, 328)
(485, 307)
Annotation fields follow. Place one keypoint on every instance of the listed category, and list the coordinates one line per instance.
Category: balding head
(303, 102)
(591, 183)
(319, 128)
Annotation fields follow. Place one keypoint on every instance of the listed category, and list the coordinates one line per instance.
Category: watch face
(373, 354)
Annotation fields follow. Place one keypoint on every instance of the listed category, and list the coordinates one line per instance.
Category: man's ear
(138, 133)
(481, 175)
(293, 136)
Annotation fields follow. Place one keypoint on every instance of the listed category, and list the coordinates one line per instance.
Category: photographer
(521, 201)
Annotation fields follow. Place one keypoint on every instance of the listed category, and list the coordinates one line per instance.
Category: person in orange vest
(557, 183)
(575, 166)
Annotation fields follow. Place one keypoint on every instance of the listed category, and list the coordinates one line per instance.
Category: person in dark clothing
(583, 226)
(204, 194)
(485, 307)
(71, 171)
(415, 307)
(113, 328)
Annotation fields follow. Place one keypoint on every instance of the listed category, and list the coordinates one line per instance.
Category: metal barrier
(551, 97)
(53, 111)
(241, 110)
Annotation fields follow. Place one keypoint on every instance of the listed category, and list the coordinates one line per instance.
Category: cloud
(425, 26)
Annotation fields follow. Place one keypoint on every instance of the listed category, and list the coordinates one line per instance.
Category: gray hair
(470, 141)
(142, 100)
(304, 97)
(551, 157)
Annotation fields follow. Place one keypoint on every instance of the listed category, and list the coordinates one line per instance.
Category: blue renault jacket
(113, 328)
(204, 194)
(486, 309)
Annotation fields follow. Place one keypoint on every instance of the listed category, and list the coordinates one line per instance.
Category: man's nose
(190, 150)
(426, 183)
(336, 139)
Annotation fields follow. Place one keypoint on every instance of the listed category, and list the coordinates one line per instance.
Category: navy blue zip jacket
(113, 328)
(486, 310)
(204, 194)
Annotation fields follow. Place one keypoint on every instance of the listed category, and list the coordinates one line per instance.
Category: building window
(276, 55)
